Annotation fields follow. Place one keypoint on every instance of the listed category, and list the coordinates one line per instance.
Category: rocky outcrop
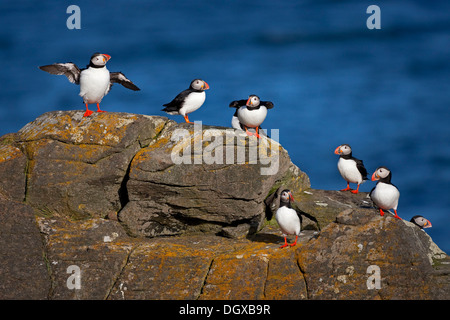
(123, 206)
(211, 189)
(81, 167)
(23, 267)
(76, 166)
(365, 256)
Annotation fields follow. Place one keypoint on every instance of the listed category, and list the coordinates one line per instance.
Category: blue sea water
(385, 92)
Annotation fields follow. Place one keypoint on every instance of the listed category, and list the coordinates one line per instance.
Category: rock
(13, 166)
(77, 166)
(326, 205)
(361, 245)
(97, 248)
(23, 269)
(213, 189)
(188, 231)
(318, 208)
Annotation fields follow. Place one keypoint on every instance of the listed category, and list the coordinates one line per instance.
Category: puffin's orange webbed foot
(257, 133)
(88, 112)
(98, 108)
(285, 243)
(295, 242)
(396, 215)
(187, 119)
(248, 132)
(355, 191)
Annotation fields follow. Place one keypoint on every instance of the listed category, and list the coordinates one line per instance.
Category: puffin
(235, 124)
(421, 222)
(188, 100)
(350, 168)
(250, 113)
(384, 195)
(95, 80)
(287, 218)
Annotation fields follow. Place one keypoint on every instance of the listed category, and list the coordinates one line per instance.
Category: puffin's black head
(286, 197)
(343, 150)
(383, 174)
(253, 101)
(199, 85)
(421, 222)
(99, 59)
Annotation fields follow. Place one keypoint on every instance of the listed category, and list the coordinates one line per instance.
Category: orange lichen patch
(70, 172)
(104, 129)
(236, 277)
(43, 126)
(284, 278)
(162, 142)
(159, 124)
(165, 272)
(84, 152)
(32, 147)
(241, 273)
(8, 152)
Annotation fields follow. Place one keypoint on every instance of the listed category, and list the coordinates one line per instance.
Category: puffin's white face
(344, 149)
(380, 173)
(286, 195)
(199, 84)
(100, 59)
(253, 101)
(421, 221)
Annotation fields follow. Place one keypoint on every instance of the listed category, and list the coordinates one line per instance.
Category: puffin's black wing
(177, 102)
(238, 103)
(69, 69)
(271, 203)
(119, 77)
(361, 168)
(267, 104)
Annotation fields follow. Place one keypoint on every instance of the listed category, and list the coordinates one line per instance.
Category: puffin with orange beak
(95, 80)
(287, 218)
(189, 100)
(384, 195)
(350, 168)
(251, 113)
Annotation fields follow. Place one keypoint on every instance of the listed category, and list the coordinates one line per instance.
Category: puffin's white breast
(385, 196)
(252, 118)
(349, 171)
(193, 101)
(94, 84)
(288, 220)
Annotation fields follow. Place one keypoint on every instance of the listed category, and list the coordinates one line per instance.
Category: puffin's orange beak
(375, 176)
(427, 224)
(206, 86)
(107, 56)
(338, 150)
(248, 103)
(291, 196)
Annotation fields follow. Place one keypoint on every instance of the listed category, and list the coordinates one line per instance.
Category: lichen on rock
(103, 194)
